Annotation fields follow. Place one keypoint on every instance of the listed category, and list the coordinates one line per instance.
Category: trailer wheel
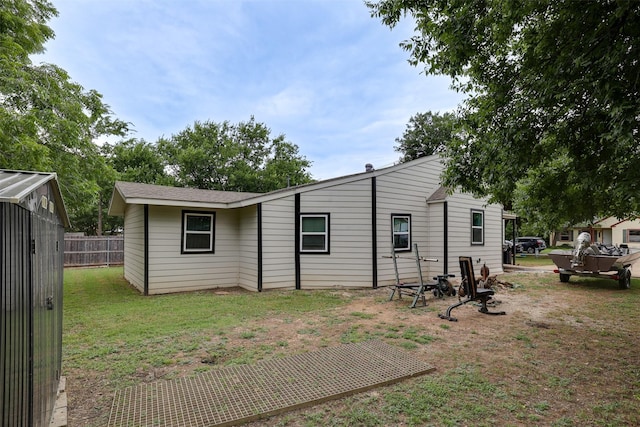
(625, 279)
(564, 278)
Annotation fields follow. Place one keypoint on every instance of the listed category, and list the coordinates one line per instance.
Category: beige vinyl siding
(405, 191)
(278, 240)
(248, 247)
(460, 206)
(436, 239)
(134, 246)
(349, 262)
(619, 230)
(172, 271)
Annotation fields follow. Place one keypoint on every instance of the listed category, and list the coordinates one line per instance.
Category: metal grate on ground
(238, 394)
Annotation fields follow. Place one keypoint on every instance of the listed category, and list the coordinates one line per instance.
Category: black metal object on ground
(440, 287)
(471, 291)
(238, 394)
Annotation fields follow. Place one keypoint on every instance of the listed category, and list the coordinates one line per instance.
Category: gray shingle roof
(439, 195)
(133, 190)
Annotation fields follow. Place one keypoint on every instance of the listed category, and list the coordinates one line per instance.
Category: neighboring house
(33, 218)
(609, 230)
(333, 233)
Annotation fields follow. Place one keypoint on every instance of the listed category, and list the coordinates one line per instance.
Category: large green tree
(47, 121)
(551, 121)
(137, 161)
(233, 157)
(426, 134)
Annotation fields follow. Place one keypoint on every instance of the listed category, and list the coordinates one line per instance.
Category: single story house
(331, 233)
(608, 230)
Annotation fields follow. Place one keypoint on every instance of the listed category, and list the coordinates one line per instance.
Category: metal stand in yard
(440, 287)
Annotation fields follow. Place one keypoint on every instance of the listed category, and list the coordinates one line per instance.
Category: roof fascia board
(117, 203)
(62, 208)
(181, 203)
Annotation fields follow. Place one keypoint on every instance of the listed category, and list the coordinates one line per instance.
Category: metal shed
(32, 254)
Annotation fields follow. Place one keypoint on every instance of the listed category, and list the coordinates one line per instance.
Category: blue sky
(323, 72)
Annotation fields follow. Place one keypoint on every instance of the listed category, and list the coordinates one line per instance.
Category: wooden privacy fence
(93, 250)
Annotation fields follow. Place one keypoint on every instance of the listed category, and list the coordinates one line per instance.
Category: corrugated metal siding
(47, 303)
(15, 323)
(31, 321)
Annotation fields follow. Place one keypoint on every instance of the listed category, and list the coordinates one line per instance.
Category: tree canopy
(426, 134)
(137, 161)
(551, 122)
(233, 157)
(48, 122)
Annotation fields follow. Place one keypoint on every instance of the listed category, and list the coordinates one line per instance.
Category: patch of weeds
(161, 361)
(607, 408)
(201, 369)
(355, 335)
(362, 315)
(408, 345)
(282, 344)
(561, 382)
(563, 422)
(411, 334)
(308, 331)
(244, 358)
(445, 326)
(247, 335)
(542, 407)
(216, 355)
(361, 417)
(286, 419)
(336, 321)
(391, 335)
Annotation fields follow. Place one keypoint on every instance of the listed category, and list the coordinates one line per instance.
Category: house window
(314, 233)
(198, 230)
(401, 226)
(634, 236)
(565, 236)
(477, 227)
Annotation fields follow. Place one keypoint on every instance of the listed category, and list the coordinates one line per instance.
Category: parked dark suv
(529, 244)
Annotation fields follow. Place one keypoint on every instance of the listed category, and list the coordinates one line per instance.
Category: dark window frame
(633, 238)
(476, 227)
(327, 233)
(409, 232)
(184, 232)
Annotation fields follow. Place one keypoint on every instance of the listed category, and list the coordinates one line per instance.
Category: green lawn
(566, 356)
(527, 260)
(111, 327)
